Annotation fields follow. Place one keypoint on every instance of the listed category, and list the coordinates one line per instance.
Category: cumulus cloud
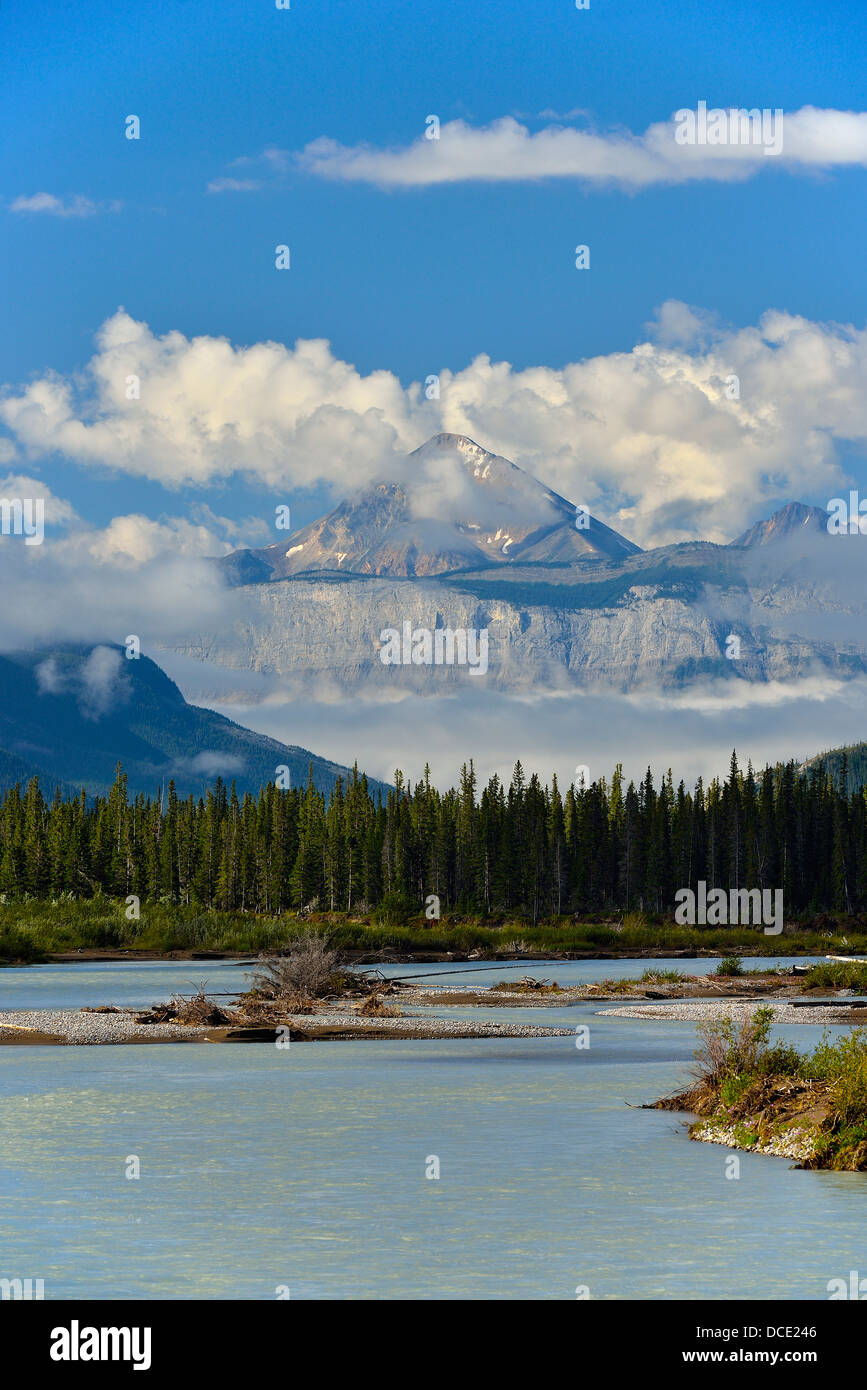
(58, 512)
(207, 410)
(693, 433)
(670, 443)
(134, 541)
(48, 204)
(505, 150)
(680, 325)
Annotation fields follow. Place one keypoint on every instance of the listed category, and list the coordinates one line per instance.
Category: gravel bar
(88, 1029)
(433, 997)
(704, 1010)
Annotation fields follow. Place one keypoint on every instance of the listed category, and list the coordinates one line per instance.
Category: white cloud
(134, 540)
(676, 324)
(102, 681)
(270, 164)
(76, 205)
(49, 677)
(58, 512)
(98, 682)
(230, 533)
(134, 576)
(648, 437)
(211, 763)
(555, 733)
(208, 410)
(506, 150)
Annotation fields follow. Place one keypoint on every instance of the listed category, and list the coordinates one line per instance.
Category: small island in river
(769, 1097)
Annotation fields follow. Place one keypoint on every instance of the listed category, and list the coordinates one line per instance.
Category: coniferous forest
(525, 849)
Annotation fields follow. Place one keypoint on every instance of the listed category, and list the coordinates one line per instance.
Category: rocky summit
(458, 507)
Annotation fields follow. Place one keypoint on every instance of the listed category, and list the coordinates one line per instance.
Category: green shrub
(780, 1059)
(834, 974)
(844, 1064)
(395, 910)
(16, 946)
(733, 1088)
(728, 1049)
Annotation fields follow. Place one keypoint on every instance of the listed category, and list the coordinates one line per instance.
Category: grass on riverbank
(753, 1094)
(31, 929)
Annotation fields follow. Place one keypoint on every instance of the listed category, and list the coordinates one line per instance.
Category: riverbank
(64, 929)
(422, 954)
(751, 1094)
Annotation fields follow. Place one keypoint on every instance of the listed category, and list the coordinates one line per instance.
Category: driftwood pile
(304, 980)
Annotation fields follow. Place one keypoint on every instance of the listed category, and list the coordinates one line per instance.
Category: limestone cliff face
(317, 634)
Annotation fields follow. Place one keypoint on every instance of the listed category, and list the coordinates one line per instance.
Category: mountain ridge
(565, 606)
(384, 532)
(69, 715)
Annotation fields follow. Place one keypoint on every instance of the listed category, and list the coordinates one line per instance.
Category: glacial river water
(304, 1168)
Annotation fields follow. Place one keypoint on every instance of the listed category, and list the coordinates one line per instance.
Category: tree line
(524, 849)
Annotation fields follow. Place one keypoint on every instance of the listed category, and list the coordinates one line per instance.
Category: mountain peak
(451, 441)
(794, 518)
(474, 455)
(459, 508)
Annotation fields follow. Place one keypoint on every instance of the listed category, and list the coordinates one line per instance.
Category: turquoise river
(300, 1172)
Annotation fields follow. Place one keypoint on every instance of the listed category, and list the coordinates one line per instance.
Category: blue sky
(404, 280)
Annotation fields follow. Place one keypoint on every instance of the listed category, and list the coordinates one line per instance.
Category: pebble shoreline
(89, 1029)
(410, 1025)
(711, 1010)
